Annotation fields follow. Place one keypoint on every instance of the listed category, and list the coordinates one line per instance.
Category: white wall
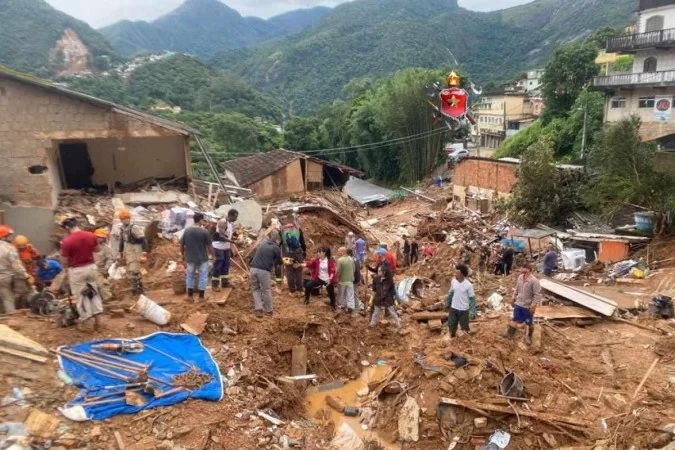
(668, 13)
(632, 104)
(665, 60)
(129, 160)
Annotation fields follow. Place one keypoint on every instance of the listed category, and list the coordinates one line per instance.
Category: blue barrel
(644, 222)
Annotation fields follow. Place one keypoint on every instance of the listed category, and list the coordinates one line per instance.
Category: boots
(190, 295)
(510, 332)
(215, 285)
(136, 284)
(226, 283)
(528, 334)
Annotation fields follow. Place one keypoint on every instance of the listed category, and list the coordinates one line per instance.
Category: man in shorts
(526, 298)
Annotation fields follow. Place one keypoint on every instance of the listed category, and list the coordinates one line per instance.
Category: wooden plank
(222, 296)
(20, 354)
(299, 360)
(606, 308)
(120, 442)
(562, 312)
(424, 316)
(546, 417)
(13, 339)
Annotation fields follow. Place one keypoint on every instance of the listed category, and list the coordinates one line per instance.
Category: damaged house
(52, 139)
(281, 173)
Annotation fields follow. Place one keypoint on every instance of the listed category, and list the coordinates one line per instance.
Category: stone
(363, 391)
(95, 433)
(409, 421)
(480, 422)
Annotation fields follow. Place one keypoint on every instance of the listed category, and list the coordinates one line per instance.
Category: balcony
(633, 80)
(634, 42)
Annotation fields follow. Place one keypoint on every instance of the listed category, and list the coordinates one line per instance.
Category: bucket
(644, 222)
(512, 386)
(152, 311)
(179, 287)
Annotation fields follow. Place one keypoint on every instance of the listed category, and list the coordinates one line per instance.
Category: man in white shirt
(222, 245)
(459, 300)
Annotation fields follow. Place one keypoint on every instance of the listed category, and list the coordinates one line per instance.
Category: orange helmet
(124, 214)
(5, 231)
(20, 241)
(101, 233)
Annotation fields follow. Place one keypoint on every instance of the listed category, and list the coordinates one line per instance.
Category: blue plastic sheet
(185, 347)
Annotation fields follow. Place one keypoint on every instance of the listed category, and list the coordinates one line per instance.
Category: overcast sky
(99, 13)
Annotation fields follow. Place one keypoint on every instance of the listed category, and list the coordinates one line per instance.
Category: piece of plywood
(223, 295)
(25, 355)
(299, 360)
(601, 305)
(562, 312)
(14, 340)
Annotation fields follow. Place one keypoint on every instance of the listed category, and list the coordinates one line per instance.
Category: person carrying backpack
(295, 251)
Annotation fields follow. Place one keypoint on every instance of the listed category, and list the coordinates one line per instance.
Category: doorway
(76, 165)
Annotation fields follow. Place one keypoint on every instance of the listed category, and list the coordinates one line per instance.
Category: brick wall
(485, 178)
(33, 120)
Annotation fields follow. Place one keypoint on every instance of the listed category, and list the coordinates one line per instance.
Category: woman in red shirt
(323, 274)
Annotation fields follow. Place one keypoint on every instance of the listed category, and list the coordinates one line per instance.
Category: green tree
(302, 134)
(623, 172)
(600, 36)
(566, 74)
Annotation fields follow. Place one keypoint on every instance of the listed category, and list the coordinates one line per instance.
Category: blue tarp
(185, 347)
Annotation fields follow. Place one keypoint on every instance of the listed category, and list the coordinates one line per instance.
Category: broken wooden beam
(601, 305)
(426, 316)
(544, 417)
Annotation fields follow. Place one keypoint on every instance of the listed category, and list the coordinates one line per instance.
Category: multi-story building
(503, 114)
(533, 83)
(648, 90)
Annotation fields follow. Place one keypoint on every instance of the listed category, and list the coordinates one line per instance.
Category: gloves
(371, 301)
(30, 280)
(448, 300)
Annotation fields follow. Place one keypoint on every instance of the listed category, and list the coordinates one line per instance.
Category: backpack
(292, 239)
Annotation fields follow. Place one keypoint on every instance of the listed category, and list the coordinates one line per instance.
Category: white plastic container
(574, 258)
(152, 311)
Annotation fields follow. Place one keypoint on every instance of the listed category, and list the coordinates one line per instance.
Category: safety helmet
(20, 241)
(66, 221)
(101, 233)
(5, 231)
(124, 214)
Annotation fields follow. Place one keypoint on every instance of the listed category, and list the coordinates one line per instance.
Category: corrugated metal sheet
(364, 192)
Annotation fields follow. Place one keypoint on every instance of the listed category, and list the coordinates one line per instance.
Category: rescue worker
(77, 256)
(28, 256)
(133, 246)
(47, 270)
(10, 269)
(294, 251)
(222, 245)
(104, 260)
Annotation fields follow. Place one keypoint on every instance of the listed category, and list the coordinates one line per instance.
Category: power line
(339, 150)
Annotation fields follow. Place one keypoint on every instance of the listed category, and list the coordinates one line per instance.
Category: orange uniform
(29, 256)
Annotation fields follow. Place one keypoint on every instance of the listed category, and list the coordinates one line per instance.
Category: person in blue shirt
(550, 261)
(47, 270)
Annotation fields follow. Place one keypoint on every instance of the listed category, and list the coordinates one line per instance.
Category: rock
(234, 390)
(365, 363)
(461, 374)
(416, 305)
(394, 388)
(131, 326)
(95, 433)
(409, 421)
(446, 387)
(117, 313)
(533, 389)
(68, 440)
(363, 391)
(480, 422)
(615, 401)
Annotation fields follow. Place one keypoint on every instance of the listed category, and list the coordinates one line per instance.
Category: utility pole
(583, 135)
(505, 123)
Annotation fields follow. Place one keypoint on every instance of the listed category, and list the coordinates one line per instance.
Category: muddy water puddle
(315, 403)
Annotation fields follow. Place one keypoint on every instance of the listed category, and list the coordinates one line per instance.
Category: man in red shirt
(77, 256)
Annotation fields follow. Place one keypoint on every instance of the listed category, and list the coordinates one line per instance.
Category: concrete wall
(665, 60)
(651, 128)
(129, 160)
(668, 13)
(34, 223)
(287, 180)
(487, 179)
(31, 119)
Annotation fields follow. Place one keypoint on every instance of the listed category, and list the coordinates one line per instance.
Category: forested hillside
(29, 31)
(374, 38)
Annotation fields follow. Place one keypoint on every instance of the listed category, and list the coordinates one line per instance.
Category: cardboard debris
(195, 324)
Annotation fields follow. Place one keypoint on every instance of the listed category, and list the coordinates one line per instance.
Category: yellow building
(503, 114)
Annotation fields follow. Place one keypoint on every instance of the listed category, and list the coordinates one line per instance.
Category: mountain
(202, 27)
(296, 21)
(374, 38)
(35, 37)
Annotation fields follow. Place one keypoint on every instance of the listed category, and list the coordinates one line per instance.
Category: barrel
(644, 222)
(152, 311)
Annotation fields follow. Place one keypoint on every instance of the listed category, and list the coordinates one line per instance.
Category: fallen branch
(544, 417)
(644, 379)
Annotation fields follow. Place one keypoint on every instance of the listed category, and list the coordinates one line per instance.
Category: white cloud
(99, 13)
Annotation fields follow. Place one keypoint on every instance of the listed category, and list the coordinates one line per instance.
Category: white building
(534, 81)
(649, 89)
